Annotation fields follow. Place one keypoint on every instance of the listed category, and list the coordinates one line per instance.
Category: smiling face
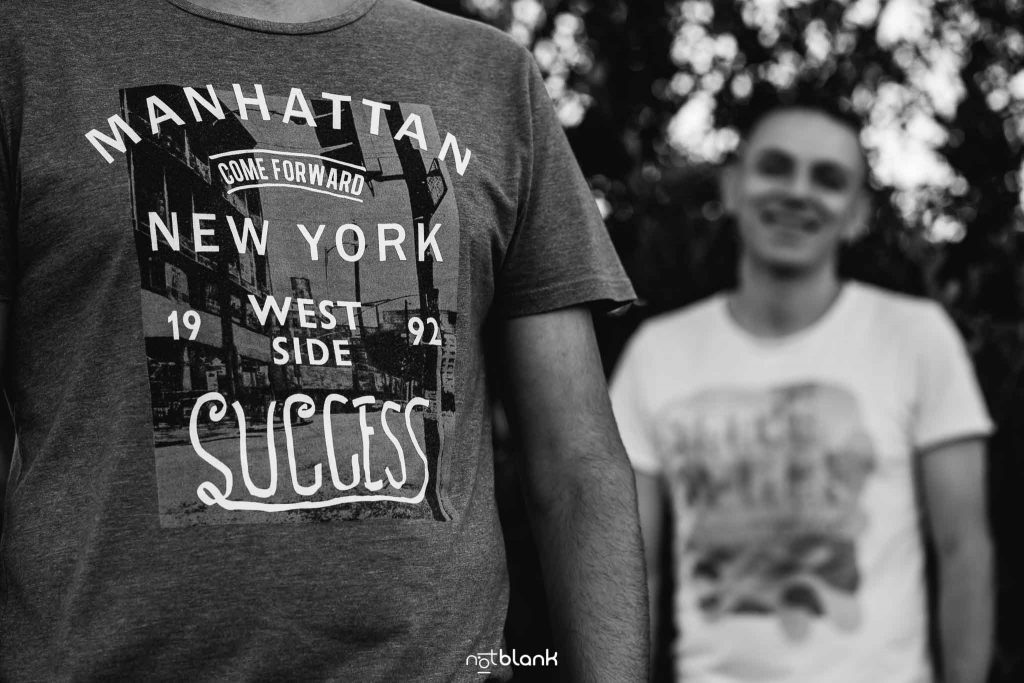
(797, 191)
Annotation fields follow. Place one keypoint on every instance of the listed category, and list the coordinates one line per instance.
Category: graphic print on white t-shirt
(299, 257)
(768, 489)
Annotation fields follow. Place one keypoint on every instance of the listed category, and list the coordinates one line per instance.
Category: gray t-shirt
(250, 267)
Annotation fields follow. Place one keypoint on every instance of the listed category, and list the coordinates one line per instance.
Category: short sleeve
(560, 253)
(7, 225)
(950, 405)
(10, 120)
(630, 406)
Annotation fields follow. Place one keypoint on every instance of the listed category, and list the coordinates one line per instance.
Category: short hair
(767, 100)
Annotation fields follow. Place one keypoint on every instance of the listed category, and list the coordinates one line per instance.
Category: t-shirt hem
(979, 431)
(643, 466)
(601, 293)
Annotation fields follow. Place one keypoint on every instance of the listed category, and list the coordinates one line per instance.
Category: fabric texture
(10, 133)
(251, 268)
(789, 465)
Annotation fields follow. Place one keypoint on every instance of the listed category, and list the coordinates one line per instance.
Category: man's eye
(774, 164)
(831, 178)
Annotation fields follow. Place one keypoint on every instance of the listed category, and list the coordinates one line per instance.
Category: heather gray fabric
(125, 555)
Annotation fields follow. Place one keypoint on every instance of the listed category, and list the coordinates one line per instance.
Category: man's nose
(799, 186)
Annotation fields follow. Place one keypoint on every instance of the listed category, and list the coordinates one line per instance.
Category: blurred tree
(647, 87)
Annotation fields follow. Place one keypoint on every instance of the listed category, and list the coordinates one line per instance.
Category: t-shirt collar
(352, 11)
(847, 293)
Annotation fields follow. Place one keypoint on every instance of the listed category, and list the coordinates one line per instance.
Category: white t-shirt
(789, 464)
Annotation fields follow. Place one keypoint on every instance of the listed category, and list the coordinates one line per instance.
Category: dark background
(650, 92)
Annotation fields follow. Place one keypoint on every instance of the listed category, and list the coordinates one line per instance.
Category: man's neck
(282, 11)
(770, 304)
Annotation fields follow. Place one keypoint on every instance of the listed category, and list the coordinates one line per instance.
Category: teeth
(772, 217)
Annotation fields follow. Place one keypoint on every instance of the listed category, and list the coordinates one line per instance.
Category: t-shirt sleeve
(950, 405)
(630, 407)
(560, 253)
(7, 225)
(10, 119)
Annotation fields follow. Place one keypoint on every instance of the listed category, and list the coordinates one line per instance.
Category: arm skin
(6, 428)
(651, 502)
(580, 494)
(953, 485)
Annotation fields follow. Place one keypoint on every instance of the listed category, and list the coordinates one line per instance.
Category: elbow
(566, 484)
(967, 552)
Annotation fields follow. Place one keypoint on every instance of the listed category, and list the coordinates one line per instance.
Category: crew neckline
(353, 11)
(847, 292)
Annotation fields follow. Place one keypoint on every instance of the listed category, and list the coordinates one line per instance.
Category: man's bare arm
(651, 502)
(6, 428)
(581, 496)
(953, 482)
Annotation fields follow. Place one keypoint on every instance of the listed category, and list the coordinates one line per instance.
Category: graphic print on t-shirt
(767, 489)
(299, 265)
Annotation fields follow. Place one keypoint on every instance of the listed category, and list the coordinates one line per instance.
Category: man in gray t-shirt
(253, 260)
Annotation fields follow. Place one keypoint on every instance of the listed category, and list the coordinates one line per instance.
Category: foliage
(646, 89)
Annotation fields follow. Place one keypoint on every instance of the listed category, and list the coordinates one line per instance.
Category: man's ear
(728, 186)
(860, 215)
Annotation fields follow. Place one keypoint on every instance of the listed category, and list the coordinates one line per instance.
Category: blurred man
(790, 424)
(238, 242)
